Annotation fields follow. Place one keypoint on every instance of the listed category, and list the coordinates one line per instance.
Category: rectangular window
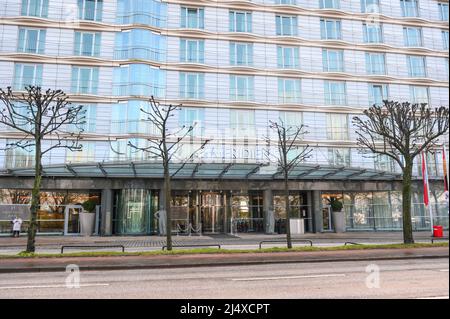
(413, 37)
(410, 8)
(339, 156)
(241, 88)
(443, 11)
(241, 53)
(335, 93)
(18, 157)
(288, 57)
(333, 60)
(240, 21)
(330, 29)
(445, 40)
(375, 63)
(370, 6)
(291, 119)
(87, 43)
(192, 117)
(337, 126)
(329, 4)
(27, 75)
(288, 91)
(377, 94)
(291, 2)
(84, 80)
(90, 117)
(127, 118)
(192, 85)
(192, 18)
(90, 10)
(287, 25)
(35, 8)
(192, 51)
(242, 123)
(373, 33)
(419, 94)
(416, 66)
(87, 154)
(384, 163)
(31, 41)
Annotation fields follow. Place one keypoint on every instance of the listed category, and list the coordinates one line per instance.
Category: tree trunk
(35, 199)
(288, 212)
(406, 204)
(167, 196)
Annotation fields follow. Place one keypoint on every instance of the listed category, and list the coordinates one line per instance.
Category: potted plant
(337, 214)
(87, 217)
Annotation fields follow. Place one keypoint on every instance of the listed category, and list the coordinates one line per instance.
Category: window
(292, 2)
(288, 57)
(27, 75)
(375, 63)
(86, 154)
(329, 4)
(31, 41)
(90, 10)
(121, 151)
(377, 94)
(89, 120)
(84, 80)
(419, 94)
(241, 53)
(242, 123)
(193, 18)
(288, 91)
(192, 117)
(241, 88)
(410, 8)
(140, 80)
(443, 11)
(370, 6)
(192, 85)
(17, 157)
(192, 51)
(330, 29)
(149, 12)
(337, 126)
(445, 40)
(87, 43)
(384, 163)
(291, 119)
(35, 8)
(128, 118)
(240, 21)
(373, 33)
(333, 60)
(416, 66)
(335, 93)
(339, 156)
(140, 44)
(413, 37)
(287, 25)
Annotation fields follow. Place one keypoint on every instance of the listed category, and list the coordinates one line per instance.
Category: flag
(426, 198)
(444, 163)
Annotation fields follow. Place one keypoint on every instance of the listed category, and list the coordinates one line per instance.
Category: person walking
(17, 225)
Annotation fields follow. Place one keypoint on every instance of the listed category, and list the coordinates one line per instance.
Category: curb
(216, 264)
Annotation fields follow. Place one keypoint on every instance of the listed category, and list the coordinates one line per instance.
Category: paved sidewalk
(207, 260)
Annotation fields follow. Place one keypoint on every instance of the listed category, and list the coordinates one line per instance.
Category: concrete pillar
(269, 213)
(317, 211)
(161, 198)
(107, 212)
(310, 214)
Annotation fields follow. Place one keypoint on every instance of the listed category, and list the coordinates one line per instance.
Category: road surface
(418, 278)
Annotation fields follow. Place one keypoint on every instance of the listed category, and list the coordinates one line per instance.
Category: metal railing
(246, 225)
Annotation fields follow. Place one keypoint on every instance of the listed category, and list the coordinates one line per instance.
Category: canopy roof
(214, 171)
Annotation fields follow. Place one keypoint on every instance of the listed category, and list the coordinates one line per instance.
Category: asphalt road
(420, 278)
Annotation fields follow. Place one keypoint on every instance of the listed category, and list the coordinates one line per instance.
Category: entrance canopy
(214, 171)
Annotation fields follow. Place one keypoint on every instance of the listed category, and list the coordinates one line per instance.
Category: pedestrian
(17, 225)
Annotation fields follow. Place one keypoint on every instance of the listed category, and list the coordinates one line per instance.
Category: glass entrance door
(72, 219)
(327, 226)
(212, 213)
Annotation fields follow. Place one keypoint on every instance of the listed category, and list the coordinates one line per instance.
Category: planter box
(338, 221)
(87, 223)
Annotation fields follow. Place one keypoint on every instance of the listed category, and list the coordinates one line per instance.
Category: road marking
(444, 270)
(52, 286)
(287, 277)
(439, 297)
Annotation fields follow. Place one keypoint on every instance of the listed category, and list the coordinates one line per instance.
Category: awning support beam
(225, 170)
(100, 167)
(71, 170)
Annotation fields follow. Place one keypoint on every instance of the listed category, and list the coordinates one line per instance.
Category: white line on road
(287, 277)
(439, 297)
(52, 286)
(444, 270)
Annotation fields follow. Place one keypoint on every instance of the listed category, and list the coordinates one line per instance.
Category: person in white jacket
(17, 225)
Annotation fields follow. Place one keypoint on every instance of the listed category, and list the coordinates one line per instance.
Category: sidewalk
(208, 260)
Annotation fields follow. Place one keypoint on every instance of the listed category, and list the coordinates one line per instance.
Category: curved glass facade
(150, 12)
(139, 80)
(140, 44)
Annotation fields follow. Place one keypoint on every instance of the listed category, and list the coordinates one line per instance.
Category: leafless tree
(401, 131)
(38, 115)
(288, 156)
(165, 146)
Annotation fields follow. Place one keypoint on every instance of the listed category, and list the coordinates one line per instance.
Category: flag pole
(426, 190)
(445, 168)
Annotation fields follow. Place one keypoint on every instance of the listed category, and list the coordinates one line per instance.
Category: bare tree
(38, 115)
(166, 146)
(290, 154)
(401, 131)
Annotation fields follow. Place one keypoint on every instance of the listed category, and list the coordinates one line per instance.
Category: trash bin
(438, 231)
